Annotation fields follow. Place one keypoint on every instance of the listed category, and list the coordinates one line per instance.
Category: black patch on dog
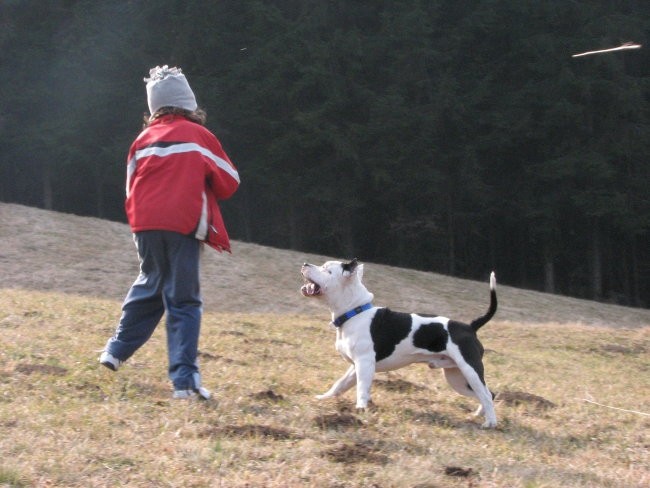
(388, 329)
(432, 337)
(470, 347)
(350, 266)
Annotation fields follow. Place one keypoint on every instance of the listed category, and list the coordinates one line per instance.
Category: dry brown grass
(51, 251)
(67, 422)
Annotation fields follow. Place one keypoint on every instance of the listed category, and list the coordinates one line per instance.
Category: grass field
(572, 377)
(67, 422)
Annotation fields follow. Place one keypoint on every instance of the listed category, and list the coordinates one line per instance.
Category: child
(176, 172)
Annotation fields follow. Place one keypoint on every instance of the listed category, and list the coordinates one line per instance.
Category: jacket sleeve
(222, 176)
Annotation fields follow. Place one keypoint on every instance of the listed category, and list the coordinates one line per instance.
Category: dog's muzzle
(310, 288)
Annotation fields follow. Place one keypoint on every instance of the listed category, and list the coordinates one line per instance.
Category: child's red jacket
(176, 172)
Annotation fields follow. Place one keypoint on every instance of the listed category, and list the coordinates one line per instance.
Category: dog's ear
(351, 267)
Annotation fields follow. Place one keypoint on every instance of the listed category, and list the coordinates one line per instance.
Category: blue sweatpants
(168, 282)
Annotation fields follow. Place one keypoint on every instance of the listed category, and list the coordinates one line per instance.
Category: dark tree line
(444, 135)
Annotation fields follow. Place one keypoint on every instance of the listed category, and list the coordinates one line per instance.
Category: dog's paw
(489, 424)
(368, 407)
(324, 396)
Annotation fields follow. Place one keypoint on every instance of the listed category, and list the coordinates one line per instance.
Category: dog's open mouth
(310, 289)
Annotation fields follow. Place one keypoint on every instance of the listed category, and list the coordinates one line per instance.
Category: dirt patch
(517, 398)
(459, 472)
(436, 418)
(337, 420)
(618, 349)
(342, 406)
(250, 430)
(267, 395)
(218, 357)
(232, 333)
(40, 368)
(355, 453)
(399, 385)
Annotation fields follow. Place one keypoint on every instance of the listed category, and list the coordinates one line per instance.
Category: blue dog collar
(341, 319)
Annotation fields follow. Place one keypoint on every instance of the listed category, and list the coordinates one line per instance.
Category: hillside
(50, 251)
(571, 399)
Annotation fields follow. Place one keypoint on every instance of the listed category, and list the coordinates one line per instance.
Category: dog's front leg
(365, 370)
(343, 384)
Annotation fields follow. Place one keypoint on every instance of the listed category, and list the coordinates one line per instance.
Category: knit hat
(168, 87)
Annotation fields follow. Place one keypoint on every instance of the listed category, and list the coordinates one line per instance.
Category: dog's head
(337, 282)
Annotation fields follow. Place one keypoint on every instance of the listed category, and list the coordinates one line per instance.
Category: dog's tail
(481, 321)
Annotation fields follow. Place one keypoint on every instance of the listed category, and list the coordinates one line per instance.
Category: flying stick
(622, 47)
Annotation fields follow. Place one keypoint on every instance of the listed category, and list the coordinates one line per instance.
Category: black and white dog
(374, 339)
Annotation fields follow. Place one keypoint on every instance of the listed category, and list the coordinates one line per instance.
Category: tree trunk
(347, 236)
(99, 199)
(244, 217)
(634, 294)
(522, 255)
(451, 241)
(549, 270)
(48, 193)
(295, 230)
(493, 248)
(596, 263)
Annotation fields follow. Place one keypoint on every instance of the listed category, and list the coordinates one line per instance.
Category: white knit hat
(168, 87)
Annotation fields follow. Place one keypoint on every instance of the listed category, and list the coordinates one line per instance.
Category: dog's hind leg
(468, 383)
(458, 382)
(484, 395)
(343, 384)
(471, 368)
